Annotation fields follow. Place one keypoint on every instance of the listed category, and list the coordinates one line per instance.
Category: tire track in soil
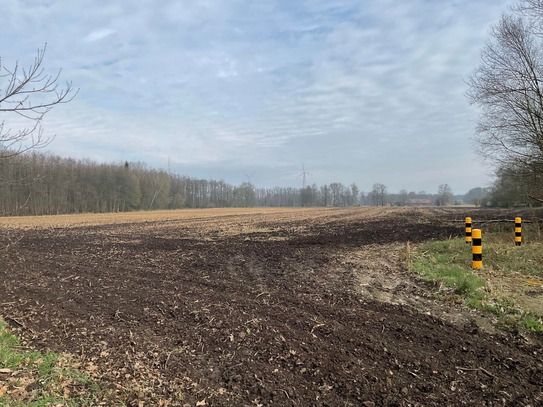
(323, 316)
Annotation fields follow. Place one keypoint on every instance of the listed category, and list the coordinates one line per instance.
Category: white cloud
(99, 34)
(360, 91)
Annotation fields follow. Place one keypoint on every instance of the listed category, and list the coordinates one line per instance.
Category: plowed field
(257, 307)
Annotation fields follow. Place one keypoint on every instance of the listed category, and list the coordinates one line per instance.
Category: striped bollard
(468, 230)
(518, 231)
(477, 249)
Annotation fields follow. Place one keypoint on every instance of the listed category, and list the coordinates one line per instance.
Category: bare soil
(304, 307)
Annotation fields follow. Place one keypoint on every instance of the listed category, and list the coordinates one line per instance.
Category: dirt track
(307, 307)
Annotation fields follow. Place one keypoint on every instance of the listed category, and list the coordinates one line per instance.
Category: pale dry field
(226, 216)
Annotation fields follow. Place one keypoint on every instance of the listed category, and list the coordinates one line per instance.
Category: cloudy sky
(361, 91)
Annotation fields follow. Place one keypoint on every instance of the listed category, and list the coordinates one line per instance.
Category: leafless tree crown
(508, 87)
(29, 93)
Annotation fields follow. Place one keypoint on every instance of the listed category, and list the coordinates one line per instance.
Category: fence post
(468, 230)
(518, 231)
(477, 249)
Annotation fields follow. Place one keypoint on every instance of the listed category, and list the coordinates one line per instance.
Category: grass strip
(509, 286)
(32, 378)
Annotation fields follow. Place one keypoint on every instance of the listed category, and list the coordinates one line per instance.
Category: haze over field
(360, 92)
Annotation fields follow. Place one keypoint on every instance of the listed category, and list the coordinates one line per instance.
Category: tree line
(34, 183)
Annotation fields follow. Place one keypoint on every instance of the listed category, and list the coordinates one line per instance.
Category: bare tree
(444, 195)
(476, 196)
(336, 188)
(378, 194)
(29, 93)
(325, 195)
(355, 191)
(403, 197)
(532, 9)
(508, 87)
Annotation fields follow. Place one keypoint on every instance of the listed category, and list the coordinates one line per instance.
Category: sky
(363, 91)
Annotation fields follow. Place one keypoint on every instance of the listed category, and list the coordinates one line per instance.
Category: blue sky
(361, 91)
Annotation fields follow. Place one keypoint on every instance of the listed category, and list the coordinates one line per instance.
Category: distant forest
(43, 184)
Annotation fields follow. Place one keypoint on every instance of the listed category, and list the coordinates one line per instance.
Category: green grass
(445, 263)
(504, 265)
(31, 378)
(502, 256)
(532, 323)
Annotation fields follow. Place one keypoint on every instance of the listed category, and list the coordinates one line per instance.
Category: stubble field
(256, 307)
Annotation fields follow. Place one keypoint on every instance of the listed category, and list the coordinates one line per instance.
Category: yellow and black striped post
(518, 231)
(477, 248)
(468, 230)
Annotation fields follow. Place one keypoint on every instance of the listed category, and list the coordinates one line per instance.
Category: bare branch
(29, 93)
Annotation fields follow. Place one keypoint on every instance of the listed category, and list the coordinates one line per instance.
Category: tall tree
(244, 195)
(307, 196)
(444, 195)
(355, 191)
(476, 196)
(325, 195)
(336, 188)
(508, 87)
(403, 197)
(378, 194)
(510, 190)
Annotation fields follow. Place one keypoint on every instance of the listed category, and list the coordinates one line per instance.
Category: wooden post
(477, 249)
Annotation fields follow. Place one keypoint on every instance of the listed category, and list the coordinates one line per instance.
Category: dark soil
(248, 312)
